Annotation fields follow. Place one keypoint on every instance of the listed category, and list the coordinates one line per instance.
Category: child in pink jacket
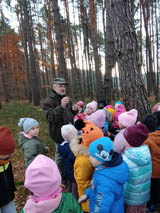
(126, 119)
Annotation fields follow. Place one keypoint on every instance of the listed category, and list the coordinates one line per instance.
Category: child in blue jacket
(106, 192)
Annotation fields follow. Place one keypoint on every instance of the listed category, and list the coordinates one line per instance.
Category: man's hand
(64, 101)
(82, 199)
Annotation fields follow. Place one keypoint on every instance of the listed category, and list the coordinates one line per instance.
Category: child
(68, 132)
(126, 119)
(138, 159)
(7, 185)
(106, 193)
(98, 118)
(28, 139)
(91, 107)
(80, 114)
(43, 180)
(83, 169)
(153, 142)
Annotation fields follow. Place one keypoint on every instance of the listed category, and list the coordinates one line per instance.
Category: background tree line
(78, 39)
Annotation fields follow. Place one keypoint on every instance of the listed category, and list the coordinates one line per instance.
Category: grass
(9, 116)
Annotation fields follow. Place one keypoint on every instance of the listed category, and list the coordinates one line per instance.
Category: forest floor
(9, 116)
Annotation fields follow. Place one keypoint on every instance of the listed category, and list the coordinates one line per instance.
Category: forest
(106, 49)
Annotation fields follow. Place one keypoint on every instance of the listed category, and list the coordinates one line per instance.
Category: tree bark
(34, 78)
(132, 87)
(59, 39)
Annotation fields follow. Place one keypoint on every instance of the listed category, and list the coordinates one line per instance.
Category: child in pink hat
(98, 118)
(91, 107)
(126, 119)
(80, 111)
(43, 179)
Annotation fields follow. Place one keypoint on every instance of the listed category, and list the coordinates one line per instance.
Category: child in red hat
(7, 185)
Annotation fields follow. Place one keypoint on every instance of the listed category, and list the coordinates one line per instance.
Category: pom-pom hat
(27, 123)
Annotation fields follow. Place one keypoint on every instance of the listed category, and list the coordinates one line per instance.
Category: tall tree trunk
(110, 56)
(151, 75)
(49, 21)
(34, 78)
(94, 39)
(26, 61)
(59, 39)
(132, 87)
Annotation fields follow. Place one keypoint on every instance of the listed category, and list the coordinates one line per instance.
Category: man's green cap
(59, 81)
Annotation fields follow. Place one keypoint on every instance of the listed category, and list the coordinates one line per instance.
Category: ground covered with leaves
(9, 116)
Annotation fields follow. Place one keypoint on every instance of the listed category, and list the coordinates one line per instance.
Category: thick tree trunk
(59, 39)
(132, 87)
(110, 55)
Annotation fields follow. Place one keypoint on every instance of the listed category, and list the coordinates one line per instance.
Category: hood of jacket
(77, 148)
(46, 206)
(22, 139)
(119, 173)
(139, 155)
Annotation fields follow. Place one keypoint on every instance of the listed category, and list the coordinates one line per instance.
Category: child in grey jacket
(29, 141)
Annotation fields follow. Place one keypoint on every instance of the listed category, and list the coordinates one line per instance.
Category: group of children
(111, 162)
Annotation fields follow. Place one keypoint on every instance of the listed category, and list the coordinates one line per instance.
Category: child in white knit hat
(68, 132)
(29, 141)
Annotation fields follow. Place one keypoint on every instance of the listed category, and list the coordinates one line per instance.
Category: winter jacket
(31, 148)
(83, 169)
(106, 195)
(68, 159)
(68, 204)
(137, 189)
(153, 142)
(57, 116)
(7, 186)
(120, 143)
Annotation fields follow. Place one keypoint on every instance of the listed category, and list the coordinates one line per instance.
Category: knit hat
(42, 177)
(68, 132)
(117, 103)
(128, 118)
(156, 107)
(119, 110)
(7, 143)
(136, 135)
(98, 118)
(101, 104)
(151, 122)
(89, 131)
(27, 123)
(101, 149)
(80, 103)
(92, 105)
(59, 81)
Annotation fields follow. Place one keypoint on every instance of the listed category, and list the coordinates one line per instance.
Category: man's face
(60, 89)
